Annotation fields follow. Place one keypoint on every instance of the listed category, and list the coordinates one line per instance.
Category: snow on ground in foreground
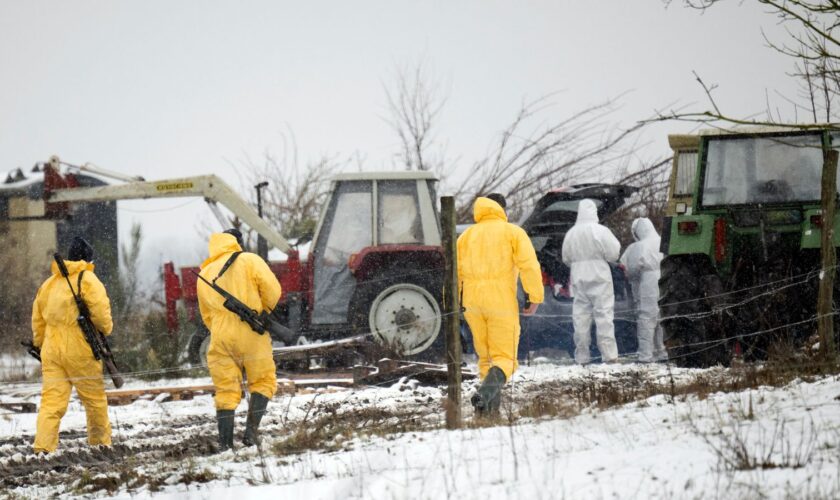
(648, 449)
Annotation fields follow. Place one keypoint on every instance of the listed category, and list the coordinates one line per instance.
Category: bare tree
(537, 152)
(293, 198)
(127, 294)
(651, 199)
(414, 106)
(813, 41)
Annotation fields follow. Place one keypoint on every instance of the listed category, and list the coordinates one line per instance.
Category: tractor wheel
(402, 313)
(197, 348)
(687, 321)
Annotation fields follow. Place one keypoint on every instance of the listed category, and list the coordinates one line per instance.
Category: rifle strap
(79, 283)
(229, 263)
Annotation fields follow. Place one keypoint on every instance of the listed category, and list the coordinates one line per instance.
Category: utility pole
(825, 300)
(262, 246)
(452, 312)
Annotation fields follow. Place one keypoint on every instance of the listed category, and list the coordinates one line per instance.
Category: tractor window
(686, 168)
(399, 213)
(762, 170)
(347, 228)
(350, 228)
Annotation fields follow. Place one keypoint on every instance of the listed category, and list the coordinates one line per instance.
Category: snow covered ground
(565, 433)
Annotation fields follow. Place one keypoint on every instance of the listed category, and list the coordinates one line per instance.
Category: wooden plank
(323, 349)
(124, 397)
(19, 406)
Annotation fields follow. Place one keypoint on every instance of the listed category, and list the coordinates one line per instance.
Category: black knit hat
(236, 233)
(498, 198)
(80, 250)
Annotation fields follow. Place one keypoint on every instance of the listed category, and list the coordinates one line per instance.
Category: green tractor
(742, 243)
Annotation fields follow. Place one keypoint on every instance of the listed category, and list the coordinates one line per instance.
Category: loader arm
(211, 188)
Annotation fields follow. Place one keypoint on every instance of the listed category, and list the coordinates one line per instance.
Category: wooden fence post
(825, 300)
(452, 312)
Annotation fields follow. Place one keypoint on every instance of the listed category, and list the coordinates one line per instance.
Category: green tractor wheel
(690, 328)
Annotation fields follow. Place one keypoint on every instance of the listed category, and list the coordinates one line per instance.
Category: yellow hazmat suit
(66, 358)
(233, 344)
(491, 255)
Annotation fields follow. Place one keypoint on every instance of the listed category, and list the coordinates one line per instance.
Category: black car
(550, 331)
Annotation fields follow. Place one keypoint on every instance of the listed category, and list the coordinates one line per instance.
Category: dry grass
(126, 476)
(564, 399)
(740, 447)
(330, 429)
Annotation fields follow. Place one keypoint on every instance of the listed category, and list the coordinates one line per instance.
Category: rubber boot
(256, 410)
(225, 420)
(488, 398)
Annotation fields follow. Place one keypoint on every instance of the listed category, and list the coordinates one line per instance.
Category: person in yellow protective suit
(234, 346)
(491, 255)
(66, 358)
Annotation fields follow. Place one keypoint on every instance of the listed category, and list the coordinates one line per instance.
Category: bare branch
(293, 198)
(414, 108)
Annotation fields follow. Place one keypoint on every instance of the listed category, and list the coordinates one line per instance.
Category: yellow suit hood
(73, 267)
(220, 244)
(486, 209)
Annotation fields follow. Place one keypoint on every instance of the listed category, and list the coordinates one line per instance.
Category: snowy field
(619, 431)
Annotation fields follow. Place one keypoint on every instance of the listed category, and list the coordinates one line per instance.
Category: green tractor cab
(741, 241)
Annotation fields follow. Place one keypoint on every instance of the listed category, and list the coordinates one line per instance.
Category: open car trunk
(552, 217)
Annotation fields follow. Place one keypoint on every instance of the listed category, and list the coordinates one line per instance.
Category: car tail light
(720, 240)
(688, 227)
(816, 220)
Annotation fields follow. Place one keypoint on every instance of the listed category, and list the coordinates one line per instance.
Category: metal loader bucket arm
(210, 187)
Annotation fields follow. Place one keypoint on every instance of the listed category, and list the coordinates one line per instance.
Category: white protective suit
(641, 261)
(587, 248)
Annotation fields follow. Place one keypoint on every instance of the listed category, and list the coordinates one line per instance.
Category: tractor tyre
(402, 312)
(197, 348)
(687, 321)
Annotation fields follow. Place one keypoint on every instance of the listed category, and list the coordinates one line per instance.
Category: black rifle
(259, 322)
(32, 350)
(98, 343)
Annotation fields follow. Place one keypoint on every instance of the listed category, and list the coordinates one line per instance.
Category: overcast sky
(167, 89)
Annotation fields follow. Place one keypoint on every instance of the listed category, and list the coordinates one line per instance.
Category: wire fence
(775, 287)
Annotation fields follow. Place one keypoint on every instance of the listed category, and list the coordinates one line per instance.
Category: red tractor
(374, 268)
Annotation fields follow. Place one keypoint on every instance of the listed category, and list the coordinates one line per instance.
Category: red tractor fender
(368, 262)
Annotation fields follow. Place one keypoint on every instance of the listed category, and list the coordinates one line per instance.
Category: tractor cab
(376, 260)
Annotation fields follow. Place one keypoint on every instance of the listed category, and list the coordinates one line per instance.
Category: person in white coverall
(587, 249)
(641, 262)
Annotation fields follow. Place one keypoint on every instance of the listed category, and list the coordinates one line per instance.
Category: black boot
(256, 410)
(225, 420)
(488, 398)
